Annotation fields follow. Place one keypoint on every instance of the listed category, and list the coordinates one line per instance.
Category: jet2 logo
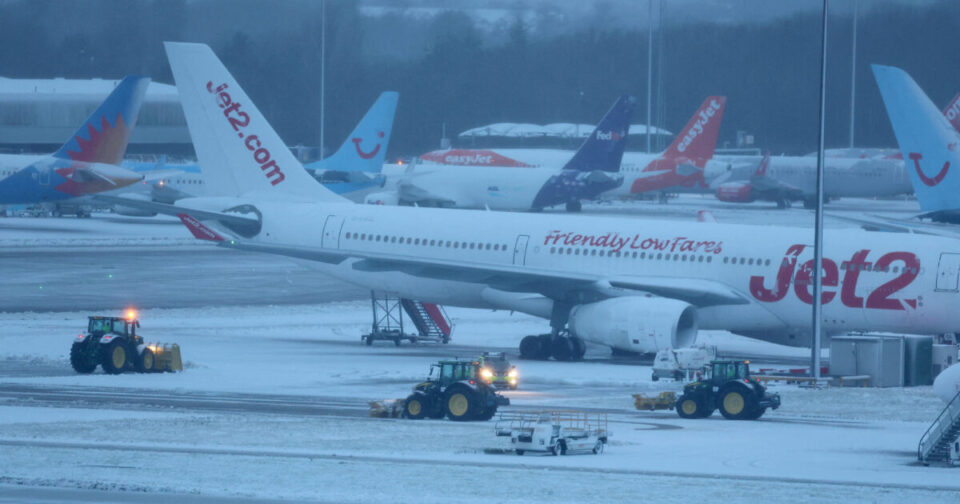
(879, 299)
(927, 181)
(239, 119)
(366, 155)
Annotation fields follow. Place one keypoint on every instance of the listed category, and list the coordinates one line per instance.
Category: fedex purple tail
(595, 167)
(103, 137)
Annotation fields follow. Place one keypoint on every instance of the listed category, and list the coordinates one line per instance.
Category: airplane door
(948, 272)
(331, 231)
(520, 249)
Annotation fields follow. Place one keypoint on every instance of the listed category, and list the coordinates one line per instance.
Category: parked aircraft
(637, 285)
(87, 163)
(591, 170)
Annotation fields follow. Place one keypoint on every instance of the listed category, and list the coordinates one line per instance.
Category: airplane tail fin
(103, 137)
(603, 149)
(764, 164)
(952, 111)
(238, 150)
(698, 138)
(366, 148)
(930, 145)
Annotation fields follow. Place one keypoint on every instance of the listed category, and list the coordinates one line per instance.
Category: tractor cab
(723, 371)
(99, 326)
(445, 373)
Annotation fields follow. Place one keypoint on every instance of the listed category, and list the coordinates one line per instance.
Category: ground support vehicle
(454, 389)
(555, 432)
(496, 370)
(113, 343)
(663, 400)
(683, 364)
(729, 388)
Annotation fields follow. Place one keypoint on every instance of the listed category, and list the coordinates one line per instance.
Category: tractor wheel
(488, 413)
(690, 407)
(115, 356)
(735, 402)
(416, 406)
(146, 362)
(530, 347)
(756, 413)
(561, 348)
(579, 348)
(80, 358)
(563, 447)
(460, 403)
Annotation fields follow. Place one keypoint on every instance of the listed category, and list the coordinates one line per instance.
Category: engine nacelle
(636, 324)
(134, 212)
(382, 198)
(735, 192)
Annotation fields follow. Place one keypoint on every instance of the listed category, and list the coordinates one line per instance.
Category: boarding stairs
(431, 321)
(935, 444)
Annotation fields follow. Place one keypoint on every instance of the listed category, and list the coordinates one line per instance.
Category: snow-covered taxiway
(272, 405)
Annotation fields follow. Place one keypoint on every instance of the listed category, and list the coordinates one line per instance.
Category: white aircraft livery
(631, 284)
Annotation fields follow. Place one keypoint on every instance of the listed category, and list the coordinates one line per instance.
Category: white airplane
(630, 284)
(586, 173)
(684, 166)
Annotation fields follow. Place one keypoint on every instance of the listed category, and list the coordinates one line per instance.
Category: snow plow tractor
(454, 389)
(729, 388)
(113, 343)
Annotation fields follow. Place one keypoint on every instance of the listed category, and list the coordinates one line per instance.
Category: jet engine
(131, 211)
(638, 324)
(735, 192)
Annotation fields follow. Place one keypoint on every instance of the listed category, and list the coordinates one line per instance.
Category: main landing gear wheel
(579, 348)
(562, 348)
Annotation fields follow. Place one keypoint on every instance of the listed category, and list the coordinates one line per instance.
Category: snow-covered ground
(271, 405)
(834, 445)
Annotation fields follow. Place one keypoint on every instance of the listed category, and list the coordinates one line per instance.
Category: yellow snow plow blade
(664, 400)
(166, 357)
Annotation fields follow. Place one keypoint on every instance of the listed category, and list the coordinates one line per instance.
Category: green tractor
(728, 387)
(113, 343)
(454, 388)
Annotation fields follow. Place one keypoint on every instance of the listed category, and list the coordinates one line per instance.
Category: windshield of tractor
(100, 325)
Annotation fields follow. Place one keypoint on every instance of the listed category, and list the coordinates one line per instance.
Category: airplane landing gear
(561, 347)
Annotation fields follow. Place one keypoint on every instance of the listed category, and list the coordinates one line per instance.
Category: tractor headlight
(486, 374)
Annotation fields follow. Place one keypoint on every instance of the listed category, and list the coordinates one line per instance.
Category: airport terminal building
(38, 115)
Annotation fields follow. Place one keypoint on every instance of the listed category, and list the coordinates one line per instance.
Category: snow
(831, 446)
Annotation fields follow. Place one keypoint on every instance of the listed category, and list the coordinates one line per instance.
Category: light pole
(853, 73)
(649, 67)
(817, 272)
(323, 68)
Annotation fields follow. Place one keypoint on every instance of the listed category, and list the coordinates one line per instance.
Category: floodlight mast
(817, 272)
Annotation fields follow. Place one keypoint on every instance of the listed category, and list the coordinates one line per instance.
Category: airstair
(430, 320)
(940, 444)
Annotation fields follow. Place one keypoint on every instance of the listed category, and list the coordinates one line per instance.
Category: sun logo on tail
(916, 157)
(104, 146)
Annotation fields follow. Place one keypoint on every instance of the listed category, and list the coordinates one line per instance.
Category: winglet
(199, 231)
(764, 164)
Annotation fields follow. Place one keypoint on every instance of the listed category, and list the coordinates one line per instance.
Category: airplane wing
(559, 286)
(234, 221)
(889, 224)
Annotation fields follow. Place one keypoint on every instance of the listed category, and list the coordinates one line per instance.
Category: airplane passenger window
(553, 250)
(750, 262)
(767, 262)
(455, 244)
(472, 245)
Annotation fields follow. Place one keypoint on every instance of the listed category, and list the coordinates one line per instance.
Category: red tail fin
(699, 137)
(952, 111)
(198, 230)
(762, 167)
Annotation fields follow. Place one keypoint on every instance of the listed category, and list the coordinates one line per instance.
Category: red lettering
(880, 298)
(261, 155)
(848, 294)
(803, 285)
(275, 174)
(249, 141)
(779, 291)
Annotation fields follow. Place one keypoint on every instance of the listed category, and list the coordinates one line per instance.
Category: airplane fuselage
(26, 179)
(871, 283)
